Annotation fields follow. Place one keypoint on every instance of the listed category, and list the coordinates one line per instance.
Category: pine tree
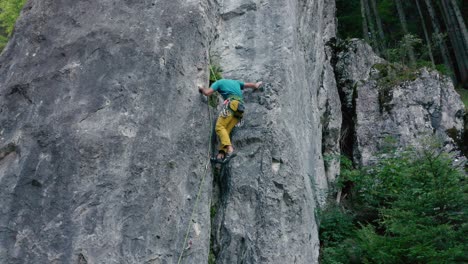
(426, 34)
(401, 15)
(381, 41)
(440, 41)
(461, 22)
(370, 21)
(365, 28)
(457, 33)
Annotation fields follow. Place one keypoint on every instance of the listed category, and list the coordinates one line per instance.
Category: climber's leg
(229, 128)
(222, 132)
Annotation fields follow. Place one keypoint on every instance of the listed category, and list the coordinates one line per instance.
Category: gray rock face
(406, 110)
(100, 99)
(354, 62)
(104, 137)
(268, 214)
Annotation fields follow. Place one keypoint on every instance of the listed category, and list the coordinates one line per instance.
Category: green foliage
(393, 42)
(348, 172)
(444, 70)
(336, 226)
(421, 210)
(390, 75)
(9, 12)
(349, 19)
(3, 42)
(213, 210)
(399, 53)
(424, 64)
(215, 74)
(211, 257)
(417, 203)
(328, 159)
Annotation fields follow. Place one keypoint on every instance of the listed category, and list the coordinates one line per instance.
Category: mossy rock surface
(390, 76)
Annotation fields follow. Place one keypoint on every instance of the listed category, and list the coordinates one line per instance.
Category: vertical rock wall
(104, 138)
(267, 215)
(100, 99)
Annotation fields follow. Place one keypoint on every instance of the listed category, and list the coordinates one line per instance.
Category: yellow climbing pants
(224, 126)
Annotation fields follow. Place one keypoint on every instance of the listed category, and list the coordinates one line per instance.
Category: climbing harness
(227, 110)
(240, 123)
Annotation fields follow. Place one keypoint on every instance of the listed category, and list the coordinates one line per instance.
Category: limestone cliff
(105, 137)
(280, 175)
(388, 102)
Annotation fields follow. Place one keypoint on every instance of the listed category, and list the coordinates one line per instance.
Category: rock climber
(232, 112)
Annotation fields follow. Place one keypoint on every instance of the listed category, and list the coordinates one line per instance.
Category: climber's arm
(253, 85)
(205, 91)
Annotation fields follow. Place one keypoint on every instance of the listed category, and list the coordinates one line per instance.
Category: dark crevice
(21, 89)
(460, 137)
(82, 259)
(221, 192)
(8, 149)
(241, 10)
(347, 137)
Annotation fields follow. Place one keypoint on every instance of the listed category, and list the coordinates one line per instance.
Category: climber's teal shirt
(228, 88)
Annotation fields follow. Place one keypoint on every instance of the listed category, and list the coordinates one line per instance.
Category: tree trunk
(461, 22)
(426, 35)
(365, 28)
(401, 14)
(373, 37)
(370, 22)
(379, 27)
(456, 39)
(440, 41)
(462, 39)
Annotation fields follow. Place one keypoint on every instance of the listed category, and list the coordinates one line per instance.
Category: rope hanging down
(201, 182)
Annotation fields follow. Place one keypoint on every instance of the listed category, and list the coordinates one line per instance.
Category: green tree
(410, 207)
(421, 205)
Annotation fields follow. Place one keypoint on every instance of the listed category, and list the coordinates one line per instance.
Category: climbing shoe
(228, 157)
(219, 157)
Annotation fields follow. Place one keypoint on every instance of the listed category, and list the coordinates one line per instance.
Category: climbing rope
(201, 182)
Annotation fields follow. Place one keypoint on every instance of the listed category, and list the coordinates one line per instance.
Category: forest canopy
(416, 32)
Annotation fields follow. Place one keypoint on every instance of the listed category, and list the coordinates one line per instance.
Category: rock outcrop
(104, 136)
(389, 102)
